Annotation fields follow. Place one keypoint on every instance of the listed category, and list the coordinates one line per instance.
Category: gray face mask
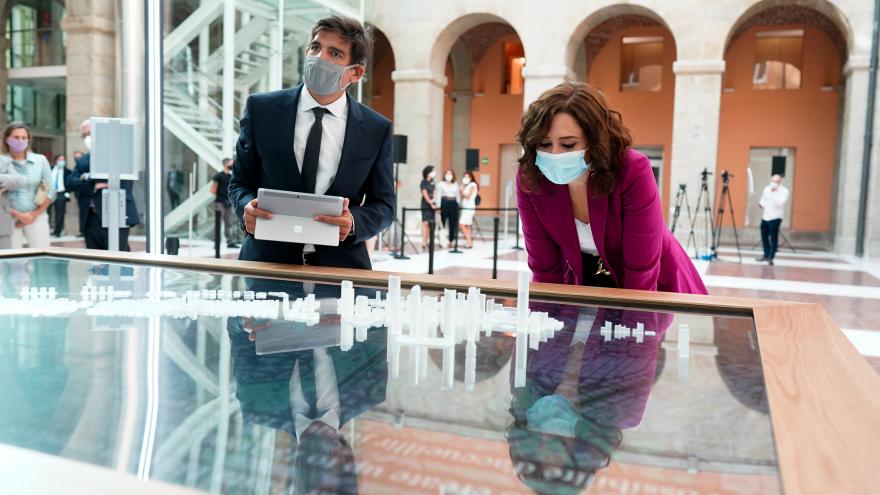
(323, 77)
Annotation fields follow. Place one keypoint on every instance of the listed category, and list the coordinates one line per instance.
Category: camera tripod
(719, 217)
(681, 197)
(704, 204)
(396, 224)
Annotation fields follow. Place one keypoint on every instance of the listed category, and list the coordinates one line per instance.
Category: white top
(585, 237)
(58, 178)
(773, 202)
(472, 201)
(447, 189)
(332, 138)
(326, 390)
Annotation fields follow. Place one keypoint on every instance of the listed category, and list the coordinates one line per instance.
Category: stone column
(695, 133)
(872, 235)
(418, 115)
(461, 127)
(4, 81)
(540, 78)
(849, 171)
(91, 65)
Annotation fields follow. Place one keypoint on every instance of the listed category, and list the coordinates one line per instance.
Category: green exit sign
(484, 160)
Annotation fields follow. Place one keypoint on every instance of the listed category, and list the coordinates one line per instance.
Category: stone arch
(449, 35)
(819, 14)
(634, 15)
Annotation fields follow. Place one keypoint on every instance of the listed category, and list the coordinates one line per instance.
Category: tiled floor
(848, 288)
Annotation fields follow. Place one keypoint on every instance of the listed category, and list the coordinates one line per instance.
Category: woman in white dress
(469, 191)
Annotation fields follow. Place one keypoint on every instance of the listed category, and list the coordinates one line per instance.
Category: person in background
(59, 207)
(589, 203)
(428, 204)
(174, 185)
(30, 201)
(220, 188)
(449, 204)
(468, 192)
(90, 199)
(773, 202)
(10, 180)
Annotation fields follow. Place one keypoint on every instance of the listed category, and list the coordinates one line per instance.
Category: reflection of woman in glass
(580, 393)
(589, 204)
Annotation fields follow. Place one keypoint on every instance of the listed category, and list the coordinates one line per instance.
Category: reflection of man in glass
(580, 393)
(310, 392)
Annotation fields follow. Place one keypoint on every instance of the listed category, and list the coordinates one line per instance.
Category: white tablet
(293, 217)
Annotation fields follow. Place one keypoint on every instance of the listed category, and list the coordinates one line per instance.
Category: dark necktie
(313, 151)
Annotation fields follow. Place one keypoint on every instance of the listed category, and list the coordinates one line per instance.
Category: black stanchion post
(399, 255)
(431, 226)
(496, 222)
(217, 221)
(516, 226)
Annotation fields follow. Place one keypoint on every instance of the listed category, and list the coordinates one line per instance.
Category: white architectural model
(414, 322)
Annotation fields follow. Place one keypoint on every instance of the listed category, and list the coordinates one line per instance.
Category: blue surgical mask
(323, 77)
(553, 414)
(562, 168)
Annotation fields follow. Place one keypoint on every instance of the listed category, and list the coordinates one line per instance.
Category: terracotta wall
(494, 118)
(806, 119)
(647, 114)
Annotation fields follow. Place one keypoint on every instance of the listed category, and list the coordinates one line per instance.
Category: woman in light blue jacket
(31, 220)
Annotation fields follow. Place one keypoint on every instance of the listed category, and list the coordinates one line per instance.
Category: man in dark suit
(90, 199)
(316, 139)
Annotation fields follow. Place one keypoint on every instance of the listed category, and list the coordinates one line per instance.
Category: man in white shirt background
(773, 203)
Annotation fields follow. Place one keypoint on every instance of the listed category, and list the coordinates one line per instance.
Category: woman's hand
(26, 218)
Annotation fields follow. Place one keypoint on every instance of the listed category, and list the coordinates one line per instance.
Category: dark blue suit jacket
(265, 158)
(85, 193)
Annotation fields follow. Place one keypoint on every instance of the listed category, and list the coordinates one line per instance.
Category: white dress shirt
(773, 202)
(326, 391)
(332, 139)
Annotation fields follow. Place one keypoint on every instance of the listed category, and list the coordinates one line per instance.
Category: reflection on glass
(248, 402)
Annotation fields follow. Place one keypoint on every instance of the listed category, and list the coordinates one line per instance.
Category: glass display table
(200, 375)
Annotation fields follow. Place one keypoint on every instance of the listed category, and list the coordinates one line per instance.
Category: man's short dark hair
(352, 31)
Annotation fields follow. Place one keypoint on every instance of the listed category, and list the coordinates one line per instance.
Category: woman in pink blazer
(589, 204)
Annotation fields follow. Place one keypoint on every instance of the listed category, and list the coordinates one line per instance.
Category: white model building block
(345, 306)
(534, 330)
(448, 368)
(519, 378)
(470, 365)
(260, 296)
(684, 341)
(346, 337)
(639, 332)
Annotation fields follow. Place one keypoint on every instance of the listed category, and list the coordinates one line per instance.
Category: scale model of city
(415, 322)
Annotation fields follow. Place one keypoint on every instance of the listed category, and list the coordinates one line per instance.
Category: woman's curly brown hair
(608, 139)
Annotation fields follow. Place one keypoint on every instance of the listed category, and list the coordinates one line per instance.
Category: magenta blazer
(628, 229)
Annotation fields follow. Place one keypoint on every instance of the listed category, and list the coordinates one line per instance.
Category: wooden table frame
(823, 395)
